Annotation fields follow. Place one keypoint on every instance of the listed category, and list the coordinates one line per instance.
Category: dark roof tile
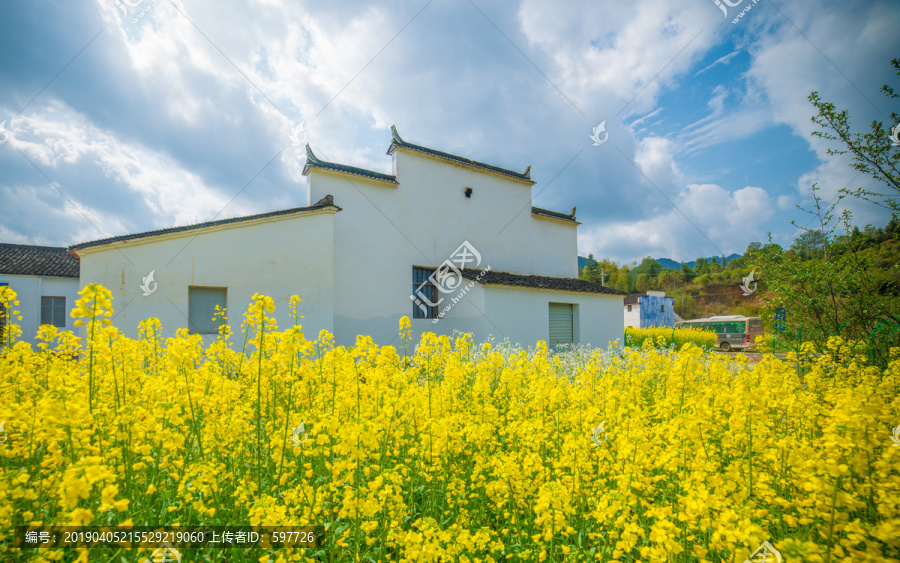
(554, 214)
(28, 260)
(312, 161)
(396, 141)
(538, 282)
(327, 201)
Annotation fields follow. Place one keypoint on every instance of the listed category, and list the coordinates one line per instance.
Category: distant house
(651, 309)
(45, 279)
(450, 242)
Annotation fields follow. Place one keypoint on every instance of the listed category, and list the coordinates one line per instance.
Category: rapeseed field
(442, 450)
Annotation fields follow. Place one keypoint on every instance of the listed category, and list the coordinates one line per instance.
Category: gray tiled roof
(327, 201)
(539, 282)
(396, 141)
(28, 260)
(312, 161)
(554, 214)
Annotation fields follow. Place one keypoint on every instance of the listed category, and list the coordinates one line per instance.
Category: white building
(363, 252)
(45, 280)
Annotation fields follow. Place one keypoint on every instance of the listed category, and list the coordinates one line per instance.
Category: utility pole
(602, 276)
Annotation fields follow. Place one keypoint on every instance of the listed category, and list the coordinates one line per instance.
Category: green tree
(701, 266)
(834, 293)
(650, 267)
(873, 152)
(642, 284)
(623, 280)
(810, 244)
(667, 280)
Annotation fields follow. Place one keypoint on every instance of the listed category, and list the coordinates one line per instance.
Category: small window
(53, 311)
(468, 192)
(629, 308)
(662, 308)
(202, 302)
(424, 294)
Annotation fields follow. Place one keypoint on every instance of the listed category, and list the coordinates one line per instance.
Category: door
(562, 325)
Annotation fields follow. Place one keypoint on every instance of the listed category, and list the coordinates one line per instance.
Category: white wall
(633, 317)
(30, 289)
(385, 229)
(277, 256)
(523, 315)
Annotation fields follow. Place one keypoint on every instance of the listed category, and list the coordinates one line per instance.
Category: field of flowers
(444, 451)
(662, 337)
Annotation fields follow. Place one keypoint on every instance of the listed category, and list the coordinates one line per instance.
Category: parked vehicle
(734, 332)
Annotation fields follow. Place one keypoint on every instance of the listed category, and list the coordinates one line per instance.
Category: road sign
(780, 319)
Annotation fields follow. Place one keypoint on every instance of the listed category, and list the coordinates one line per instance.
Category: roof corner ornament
(310, 157)
(327, 200)
(395, 137)
(527, 172)
(572, 214)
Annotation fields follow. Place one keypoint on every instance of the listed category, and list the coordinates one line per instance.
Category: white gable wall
(385, 229)
(278, 256)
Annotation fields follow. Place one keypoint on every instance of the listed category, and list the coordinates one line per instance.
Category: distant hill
(673, 265)
(665, 262)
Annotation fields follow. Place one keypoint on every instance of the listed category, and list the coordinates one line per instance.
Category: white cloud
(711, 221)
(61, 139)
(224, 96)
(785, 202)
(654, 156)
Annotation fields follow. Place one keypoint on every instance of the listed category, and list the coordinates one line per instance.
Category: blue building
(651, 309)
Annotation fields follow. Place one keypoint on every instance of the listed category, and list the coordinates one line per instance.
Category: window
(53, 311)
(202, 303)
(424, 294)
(662, 308)
(468, 192)
(629, 308)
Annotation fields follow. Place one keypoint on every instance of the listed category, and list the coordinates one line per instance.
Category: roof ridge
(538, 281)
(313, 161)
(397, 141)
(327, 201)
(541, 211)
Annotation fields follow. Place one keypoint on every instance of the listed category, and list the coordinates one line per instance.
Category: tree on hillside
(667, 280)
(642, 284)
(589, 272)
(736, 263)
(831, 284)
(810, 244)
(622, 280)
(701, 266)
(686, 273)
(650, 267)
(607, 269)
(599, 271)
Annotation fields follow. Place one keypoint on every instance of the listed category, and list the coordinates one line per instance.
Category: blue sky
(140, 115)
